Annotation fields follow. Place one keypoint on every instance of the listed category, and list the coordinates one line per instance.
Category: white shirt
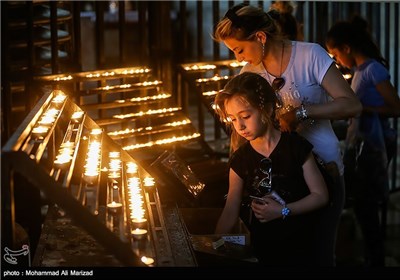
(307, 67)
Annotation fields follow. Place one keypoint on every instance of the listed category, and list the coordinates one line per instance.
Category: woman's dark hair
(288, 25)
(243, 21)
(356, 35)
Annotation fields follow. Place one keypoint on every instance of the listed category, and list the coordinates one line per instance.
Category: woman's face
(248, 51)
(342, 56)
(245, 118)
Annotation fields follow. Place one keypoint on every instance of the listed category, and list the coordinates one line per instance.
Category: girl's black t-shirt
(280, 242)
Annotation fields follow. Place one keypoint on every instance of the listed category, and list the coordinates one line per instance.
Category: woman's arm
(392, 101)
(345, 103)
(317, 198)
(230, 214)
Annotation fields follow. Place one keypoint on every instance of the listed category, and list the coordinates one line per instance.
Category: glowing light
(114, 154)
(65, 153)
(136, 207)
(59, 96)
(139, 223)
(40, 130)
(77, 115)
(49, 116)
(213, 79)
(237, 64)
(114, 165)
(106, 74)
(93, 159)
(196, 67)
(124, 86)
(134, 71)
(147, 260)
(93, 75)
(347, 76)
(148, 182)
(114, 207)
(148, 128)
(96, 131)
(161, 142)
(149, 83)
(147, 98)
(139, 233)
(132, 168)
(149, 112)
(210, 93)
(69, 77)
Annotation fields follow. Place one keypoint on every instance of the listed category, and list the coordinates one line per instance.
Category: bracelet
(301, 113)
(285, 212)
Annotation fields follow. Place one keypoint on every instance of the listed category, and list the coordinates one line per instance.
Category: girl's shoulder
(373, 64)
(374, 70)
(243, 149)
(292, 136)
(295, 140)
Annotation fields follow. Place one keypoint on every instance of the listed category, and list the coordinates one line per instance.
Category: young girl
(311, 91)
(369, 136)
(277, 166)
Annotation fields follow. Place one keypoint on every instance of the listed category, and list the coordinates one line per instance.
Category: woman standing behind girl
(311, 90)
(370, 135)
(276, 166)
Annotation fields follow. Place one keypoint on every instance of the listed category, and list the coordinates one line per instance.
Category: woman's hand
(268, 211)
(287, 119)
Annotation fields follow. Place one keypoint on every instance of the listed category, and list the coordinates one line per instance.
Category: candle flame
(161, 142)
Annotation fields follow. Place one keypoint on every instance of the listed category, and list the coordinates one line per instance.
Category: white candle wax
(138, 233)
(139, 223)
(114, 207)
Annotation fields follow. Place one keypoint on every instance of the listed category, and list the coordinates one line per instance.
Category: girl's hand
(267, 211)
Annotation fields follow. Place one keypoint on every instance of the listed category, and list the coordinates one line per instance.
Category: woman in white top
(310, 89)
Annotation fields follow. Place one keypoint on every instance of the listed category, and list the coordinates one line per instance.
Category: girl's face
(245, 118)
(248, 51)
(342, 56)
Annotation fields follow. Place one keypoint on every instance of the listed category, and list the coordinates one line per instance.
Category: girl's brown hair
(253, 89)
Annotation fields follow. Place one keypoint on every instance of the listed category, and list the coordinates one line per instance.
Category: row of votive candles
(48, 118)
(138, 222)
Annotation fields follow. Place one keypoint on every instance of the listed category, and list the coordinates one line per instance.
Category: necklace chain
(283, 50)
(280, 70)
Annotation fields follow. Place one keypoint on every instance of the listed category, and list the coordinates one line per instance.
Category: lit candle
(114, 207)
(132, 168)
(40, 130)
(139, 222)
(93, 159)
(138, 233)
(148, 182)
(114, 175)
(77, 115)
(147, 260)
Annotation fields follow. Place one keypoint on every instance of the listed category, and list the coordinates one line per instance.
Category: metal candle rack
(96, 190)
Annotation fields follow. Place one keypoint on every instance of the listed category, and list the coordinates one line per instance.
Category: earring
(263, 50)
